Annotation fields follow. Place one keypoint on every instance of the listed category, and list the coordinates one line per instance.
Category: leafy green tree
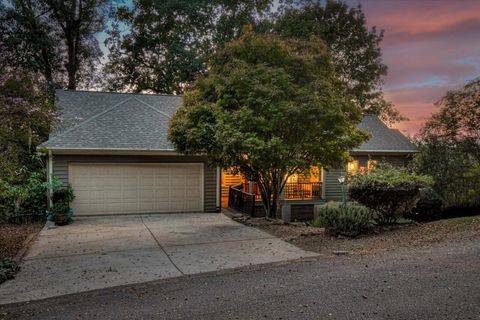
(449, 146)
(27, 112)
(53, 37)
(28, 40)
(79, 21)
(355, 48)
(161, 46)
(458, 119)
(454, 170)
(268, 108)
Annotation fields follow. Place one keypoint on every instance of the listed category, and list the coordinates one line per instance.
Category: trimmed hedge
(389, 193)
(349, 220)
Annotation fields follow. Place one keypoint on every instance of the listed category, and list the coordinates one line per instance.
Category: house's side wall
(60, 169)
(333, 188)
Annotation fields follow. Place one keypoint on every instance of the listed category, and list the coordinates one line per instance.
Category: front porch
(300, 194)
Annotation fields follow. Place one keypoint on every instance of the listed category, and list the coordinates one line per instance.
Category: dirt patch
(406, 235)
(12, 237)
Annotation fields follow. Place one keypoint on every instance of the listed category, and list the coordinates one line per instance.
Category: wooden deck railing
(240, 200)
(297, 191)
(303, 190)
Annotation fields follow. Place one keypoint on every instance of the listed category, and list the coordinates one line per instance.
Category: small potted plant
(60, 211)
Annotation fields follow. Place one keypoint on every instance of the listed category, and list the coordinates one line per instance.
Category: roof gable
(99, 120)
(383, 139)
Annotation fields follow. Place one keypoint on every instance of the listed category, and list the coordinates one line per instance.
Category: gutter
(104, 151)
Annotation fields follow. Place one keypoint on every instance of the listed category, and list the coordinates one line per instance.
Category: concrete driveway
(102, 252)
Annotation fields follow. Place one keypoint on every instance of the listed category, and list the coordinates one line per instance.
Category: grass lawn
(405, 234)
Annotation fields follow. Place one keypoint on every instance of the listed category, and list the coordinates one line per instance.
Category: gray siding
(60, 169)
(333, 189)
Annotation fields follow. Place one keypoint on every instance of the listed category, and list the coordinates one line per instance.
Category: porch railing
(303, 190)
(240, 200)
(297, 191)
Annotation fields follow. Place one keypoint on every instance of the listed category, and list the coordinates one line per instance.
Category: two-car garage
(120, 188)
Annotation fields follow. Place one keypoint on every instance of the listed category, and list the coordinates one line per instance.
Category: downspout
(323, 183)
(50, 177)
(218, 190)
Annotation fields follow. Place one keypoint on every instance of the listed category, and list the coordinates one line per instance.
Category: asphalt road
(438, 283)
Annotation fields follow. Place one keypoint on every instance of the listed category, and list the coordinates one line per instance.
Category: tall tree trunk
(271, 189)
(47, 67)
(72, 83)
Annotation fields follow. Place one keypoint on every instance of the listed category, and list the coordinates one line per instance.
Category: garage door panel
(162, 206)
(136, 188)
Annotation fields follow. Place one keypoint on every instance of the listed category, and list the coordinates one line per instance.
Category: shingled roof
(125, 121)
(103, 120)
(383, 139)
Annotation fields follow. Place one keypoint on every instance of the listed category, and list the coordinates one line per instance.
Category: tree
(268, 108)
(355, 48)
(27, 112)
(53, 37)
(79, 20)
(449, 146)
(27, 40)
(161, 46)
(455, 172)
(458, 120)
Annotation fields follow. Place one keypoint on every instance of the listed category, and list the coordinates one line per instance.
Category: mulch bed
(12, 237)
(409, 235)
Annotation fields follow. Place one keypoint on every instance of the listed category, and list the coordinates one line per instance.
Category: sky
(430, 47)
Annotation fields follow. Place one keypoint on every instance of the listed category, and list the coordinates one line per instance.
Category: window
(352, 167)
(372, 165)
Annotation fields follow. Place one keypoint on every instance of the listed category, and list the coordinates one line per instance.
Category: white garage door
(136, 188)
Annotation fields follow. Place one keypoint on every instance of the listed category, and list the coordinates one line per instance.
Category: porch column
(218, 190)
(286, 208)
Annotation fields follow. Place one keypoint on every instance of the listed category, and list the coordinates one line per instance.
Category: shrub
(429, 206)
(350, 219)
(63, 195)
(389, 192)
(8, 268)
(60, 211)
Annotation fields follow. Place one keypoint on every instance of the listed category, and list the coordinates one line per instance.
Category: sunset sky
(430, 46)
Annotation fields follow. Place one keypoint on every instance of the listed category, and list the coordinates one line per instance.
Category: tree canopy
(161, 46)
(449, 146)
(268, 108)
(53, 38)
(458, 119)
(27, 111)
(355, 48)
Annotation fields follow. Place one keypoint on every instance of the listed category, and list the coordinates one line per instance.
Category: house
(113, 149)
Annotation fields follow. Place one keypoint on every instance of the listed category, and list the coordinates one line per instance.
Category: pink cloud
(430, 47)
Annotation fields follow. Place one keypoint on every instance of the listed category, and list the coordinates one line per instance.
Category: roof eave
(108, 151)
(383, 152)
